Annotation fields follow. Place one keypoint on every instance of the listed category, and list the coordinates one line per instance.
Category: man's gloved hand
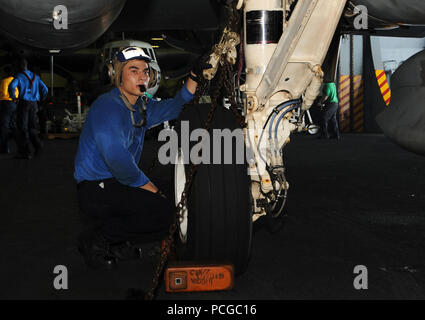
(14, 100)
(199, 66)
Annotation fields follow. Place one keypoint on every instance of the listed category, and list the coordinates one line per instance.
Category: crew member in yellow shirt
(7, 112)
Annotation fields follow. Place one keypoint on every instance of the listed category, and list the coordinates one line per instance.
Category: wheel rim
(179, 183)
(313, 129)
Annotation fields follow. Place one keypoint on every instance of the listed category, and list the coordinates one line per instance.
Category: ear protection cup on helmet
(111, 73)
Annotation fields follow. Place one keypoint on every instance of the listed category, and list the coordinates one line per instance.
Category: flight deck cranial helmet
(122, 58)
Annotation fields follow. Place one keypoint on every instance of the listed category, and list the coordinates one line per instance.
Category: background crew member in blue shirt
(30, 87)
(113, 192)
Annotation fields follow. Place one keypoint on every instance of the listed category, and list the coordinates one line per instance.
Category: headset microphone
(142, 88)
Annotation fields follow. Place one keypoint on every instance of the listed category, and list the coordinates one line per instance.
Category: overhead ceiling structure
(395, 11)
(395, 18)
(33, 22)
(168, 15)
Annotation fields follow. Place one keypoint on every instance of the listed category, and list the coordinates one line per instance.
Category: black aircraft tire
(219, 200)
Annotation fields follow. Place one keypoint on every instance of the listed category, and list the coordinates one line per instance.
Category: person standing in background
(31, 89)
(7, 112)
(330, 104)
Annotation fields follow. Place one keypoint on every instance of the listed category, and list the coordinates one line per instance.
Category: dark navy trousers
(123, 213)
(7, 123)
(330, 121)
(27, 133)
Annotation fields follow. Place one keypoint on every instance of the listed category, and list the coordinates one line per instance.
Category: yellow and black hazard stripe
(344, 103)
(383, 85)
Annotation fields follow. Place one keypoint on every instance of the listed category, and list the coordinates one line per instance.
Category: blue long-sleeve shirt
(26, 91)
(110, 146)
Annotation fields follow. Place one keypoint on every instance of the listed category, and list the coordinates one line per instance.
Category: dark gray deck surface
(360, 201)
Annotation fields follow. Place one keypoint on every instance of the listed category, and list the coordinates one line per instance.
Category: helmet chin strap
(125, 100)
(142, 107)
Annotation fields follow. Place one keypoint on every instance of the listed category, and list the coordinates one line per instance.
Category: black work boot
(38, 151)
(23, 156)
(131, 251)
(125, 251)
(96, 251)
(5, 149)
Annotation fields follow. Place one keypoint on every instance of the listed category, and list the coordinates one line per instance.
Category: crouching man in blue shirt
(113, 192)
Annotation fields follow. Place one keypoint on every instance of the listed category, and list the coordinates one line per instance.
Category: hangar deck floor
(359, 201)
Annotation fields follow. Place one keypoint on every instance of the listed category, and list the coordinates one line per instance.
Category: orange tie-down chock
(184, 276)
